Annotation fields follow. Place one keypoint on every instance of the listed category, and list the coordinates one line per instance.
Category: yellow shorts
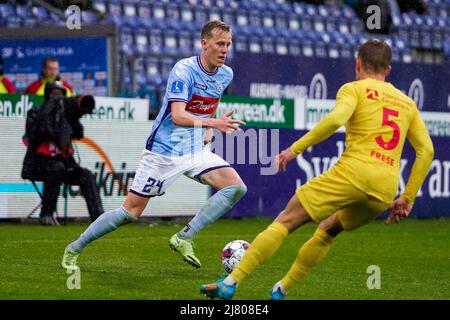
(331, 193)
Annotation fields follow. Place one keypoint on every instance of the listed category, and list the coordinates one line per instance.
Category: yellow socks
(261, 249)
(309, 255)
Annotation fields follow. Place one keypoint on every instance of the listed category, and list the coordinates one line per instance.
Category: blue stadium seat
(344, 26)
(201, 15)
(254, 45)
(170, 43)
(331, 24)
(414, 36)
(268, 20)
(426, 37)
(311, 10)
(156, 41)
(185, 43)
(446, 48)
(320, 50)
(23, 11)
(172, 11)
(355, 25)
(396, 55)
(88, 17)
(281, 20)
(294, 22)
(126, 40)
(13, 22)
(298, 8)
(281, 46)
(348, 13)
(229, 15)
(6, 10)
(143, 11)
(214, 14)
(240, 43)
(268, 45)
(29, 22)
(255, 19)
(153, 72)
(242, 18)
(40, 13)
(100, 5)
(141, 41)
(346, 50)
(166, 66)
(406, 55)
(158, 10)
(294, 47)
(319, 23)
(333, 50)
(306, 22)
(186, 13)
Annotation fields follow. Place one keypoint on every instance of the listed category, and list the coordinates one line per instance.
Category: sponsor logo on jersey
(177, 87)
(202, 105)
(200, 86)
(372, 94)
(219, 88)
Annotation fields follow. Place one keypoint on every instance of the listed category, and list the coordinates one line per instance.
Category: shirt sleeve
(423, 146)
(179, 84)
(346, 102)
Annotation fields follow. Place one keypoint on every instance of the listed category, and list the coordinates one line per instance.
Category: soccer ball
(232, 253)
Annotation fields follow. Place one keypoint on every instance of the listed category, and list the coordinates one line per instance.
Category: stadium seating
(158, 33)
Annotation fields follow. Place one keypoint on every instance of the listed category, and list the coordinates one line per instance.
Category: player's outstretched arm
(420, 140)
(185, 119)
(423, 146)
(325, 128)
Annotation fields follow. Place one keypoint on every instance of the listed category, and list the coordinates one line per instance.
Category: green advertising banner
(259, 112)
(17, 105)
(106, 108)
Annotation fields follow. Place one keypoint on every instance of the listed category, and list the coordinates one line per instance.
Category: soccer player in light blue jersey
(176, 146)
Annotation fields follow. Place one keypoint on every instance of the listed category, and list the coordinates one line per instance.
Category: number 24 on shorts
(152, 183)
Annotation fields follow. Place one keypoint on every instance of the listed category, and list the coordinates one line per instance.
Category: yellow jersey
(377, 118)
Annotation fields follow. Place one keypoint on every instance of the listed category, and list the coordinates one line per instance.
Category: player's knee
(332, 228)
(239, 191)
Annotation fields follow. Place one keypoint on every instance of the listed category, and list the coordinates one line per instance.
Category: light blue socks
(222, 201)
(107, 222)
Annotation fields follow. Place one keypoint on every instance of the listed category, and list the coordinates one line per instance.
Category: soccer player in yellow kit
(363, 183)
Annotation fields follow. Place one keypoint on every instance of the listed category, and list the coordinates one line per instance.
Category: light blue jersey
(201, 90)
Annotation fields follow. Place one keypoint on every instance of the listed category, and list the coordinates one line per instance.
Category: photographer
(49, 158)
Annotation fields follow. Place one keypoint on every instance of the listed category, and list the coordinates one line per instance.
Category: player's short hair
(209, 27)
(375, 55)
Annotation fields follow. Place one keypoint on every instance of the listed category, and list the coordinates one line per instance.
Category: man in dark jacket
(49, 158)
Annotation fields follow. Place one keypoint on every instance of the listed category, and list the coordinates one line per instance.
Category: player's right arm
(181, 117)
(421, 142)
(180, 82)
(346, 102)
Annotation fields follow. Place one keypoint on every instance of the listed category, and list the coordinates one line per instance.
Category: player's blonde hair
(375, 55)
(212, 25)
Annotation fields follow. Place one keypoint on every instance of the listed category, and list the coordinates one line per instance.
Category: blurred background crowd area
(153, 35)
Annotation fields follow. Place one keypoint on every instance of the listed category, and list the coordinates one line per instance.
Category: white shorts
(157, 172)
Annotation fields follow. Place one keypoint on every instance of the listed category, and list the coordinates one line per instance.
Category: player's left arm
(346, 101)
(423, 146)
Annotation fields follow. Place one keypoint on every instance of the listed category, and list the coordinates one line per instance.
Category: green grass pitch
(135, 262)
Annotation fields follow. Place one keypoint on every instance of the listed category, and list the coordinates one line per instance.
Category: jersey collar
(203, 69)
